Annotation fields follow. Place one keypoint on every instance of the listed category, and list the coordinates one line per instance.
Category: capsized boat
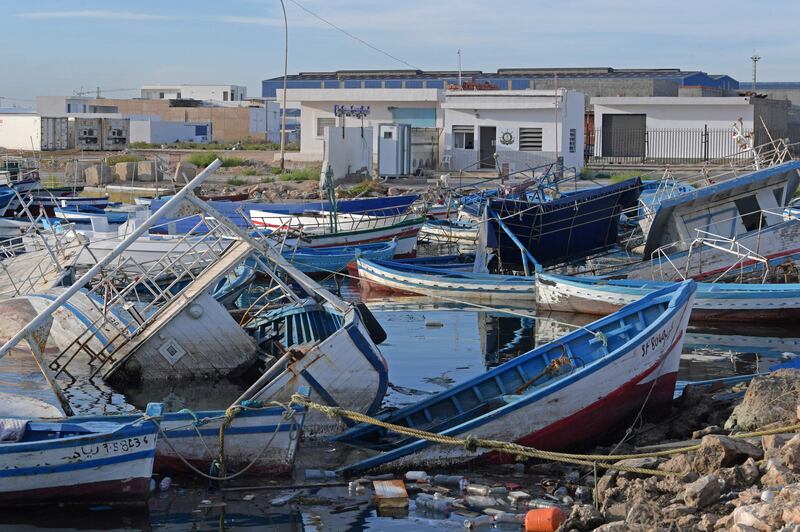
(560, 395)
(75, 461)
(411, 278)
(713, 301)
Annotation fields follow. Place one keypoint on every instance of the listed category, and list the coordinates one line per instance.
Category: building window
(224, 96)
(178, 96)
(573, 139)
(69, 107)
(322, 123)
(750, 212)
(530, 139)
(464, 137)
(161, 95)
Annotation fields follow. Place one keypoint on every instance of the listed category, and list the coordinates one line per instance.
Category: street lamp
(285, 76)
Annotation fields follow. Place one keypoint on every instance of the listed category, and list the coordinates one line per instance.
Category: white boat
(414, 279)
(562, 394)
(450, 231)
(713, 301)
(58, 462)
(317, 231)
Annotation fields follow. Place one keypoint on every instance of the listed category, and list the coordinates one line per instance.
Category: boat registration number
(657, 340)
(112, 447)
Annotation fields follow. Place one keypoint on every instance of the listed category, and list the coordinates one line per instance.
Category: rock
(749, 472)
(620, 526)
(773, 443)
(702, 492)
(739, 476)
(98, 174)
(707, 522)
(791, 494)
(687, 522)
(393, 191)
(644, 463)
(184, 172)
(778, 474)
(615, 512)
(147, 171)
(720, 451)
(790, 454)
(584, 517)
(765, 517)
(791, 514)
(651, 434)
(673, 511)
(642, 512)
(680, 464)
(713, 429)
(769, 399)
(125, 171)
(606, 482)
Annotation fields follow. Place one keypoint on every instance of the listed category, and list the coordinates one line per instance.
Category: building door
(624, 135)
(487, 147)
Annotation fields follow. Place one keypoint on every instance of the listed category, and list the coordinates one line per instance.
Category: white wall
(318, 103)
(511, 110)
(20, 132)
(672, 113)
(195, 92)
(348, 154)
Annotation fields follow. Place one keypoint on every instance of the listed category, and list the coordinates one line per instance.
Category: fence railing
(661, 145)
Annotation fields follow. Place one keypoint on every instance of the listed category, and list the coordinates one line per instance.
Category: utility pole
(285, 77)
(755, 58)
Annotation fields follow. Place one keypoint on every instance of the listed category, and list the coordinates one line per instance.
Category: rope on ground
(471, 443)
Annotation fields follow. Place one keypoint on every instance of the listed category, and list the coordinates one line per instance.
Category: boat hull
(713, 303)
(378, 276)
(100, 467)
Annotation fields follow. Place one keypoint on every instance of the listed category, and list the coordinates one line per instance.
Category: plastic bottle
(480, 501)
(431, 503)
(417, 476)
(767, 496)
(535, 504)
(477, 522)
(478, 489)
(508, 517)
(448, 480)
(319, 474)
(165, 483)
(543, 520)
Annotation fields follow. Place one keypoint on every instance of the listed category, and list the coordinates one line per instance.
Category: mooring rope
(471, 443)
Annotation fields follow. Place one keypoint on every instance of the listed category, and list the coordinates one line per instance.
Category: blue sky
(57, 47)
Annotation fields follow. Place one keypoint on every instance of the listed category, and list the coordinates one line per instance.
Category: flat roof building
(221, 93)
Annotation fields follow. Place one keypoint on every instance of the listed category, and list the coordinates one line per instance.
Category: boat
(47, 203)
(713, 301)
(238, 211)
(572, 226)
(346, 230)
(195, 436)
(706, 233)
(561, 395)
(411, 278)
(83, 214)
(336, 259)
(73, 461)
(450, 231)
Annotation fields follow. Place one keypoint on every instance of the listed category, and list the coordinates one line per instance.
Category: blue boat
(83, 214)
(563, 394)
(75, 461)
(335, 259)
(570, 227)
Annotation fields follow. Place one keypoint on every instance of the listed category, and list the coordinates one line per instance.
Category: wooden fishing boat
(563, 394)
(336, 259)
(83, 214)
(74, 462)
(414, 279)
(450, 231)
(330, 351)
(355, 230)
(194, 436)
(48, 203)
(713, 301)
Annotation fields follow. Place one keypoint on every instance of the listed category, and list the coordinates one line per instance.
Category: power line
(362, 41)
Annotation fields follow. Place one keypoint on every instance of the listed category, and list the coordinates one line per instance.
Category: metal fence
(662, 145)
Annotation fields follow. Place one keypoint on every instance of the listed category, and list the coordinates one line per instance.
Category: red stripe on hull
(129, 491)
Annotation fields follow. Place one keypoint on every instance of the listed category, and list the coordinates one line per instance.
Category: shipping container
(115, 133)
(33, 132)
(54, 133)
(88, 132)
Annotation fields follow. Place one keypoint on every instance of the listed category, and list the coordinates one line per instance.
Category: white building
(526, 128)
(682, 128)
(153, 130)
(418, 107)
(457, 127)
(221, 93)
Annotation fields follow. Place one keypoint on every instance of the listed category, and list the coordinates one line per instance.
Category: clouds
(93, 14)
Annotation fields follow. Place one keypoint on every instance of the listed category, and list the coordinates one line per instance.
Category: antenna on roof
(755, 58)
(459, 66)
